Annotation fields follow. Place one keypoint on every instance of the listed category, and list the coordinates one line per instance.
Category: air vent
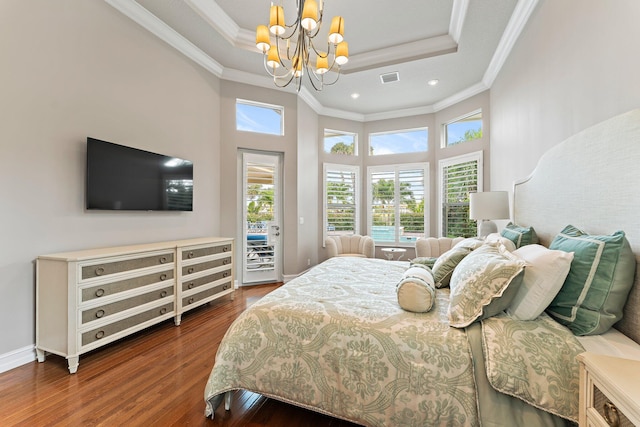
(389, 77)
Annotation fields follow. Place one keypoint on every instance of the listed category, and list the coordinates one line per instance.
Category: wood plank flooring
(153, 378)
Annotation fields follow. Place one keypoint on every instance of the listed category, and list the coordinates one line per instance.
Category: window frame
(355, 142)
(264, 105)
(397, 131)
(445, 143)
(396, 168)
(452, 161)
(325, 216)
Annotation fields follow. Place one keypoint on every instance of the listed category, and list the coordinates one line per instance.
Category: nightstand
(609, 391)
(391, 252)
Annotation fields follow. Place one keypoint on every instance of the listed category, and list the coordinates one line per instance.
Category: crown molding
(151, 23)
(213, 14)
(460, 96)
(458, 15)
(517, 22)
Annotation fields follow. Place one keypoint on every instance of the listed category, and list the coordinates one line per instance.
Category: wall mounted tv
(125, 178)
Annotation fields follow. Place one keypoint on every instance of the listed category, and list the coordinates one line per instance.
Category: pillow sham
(497, 237)
(483, 284)
(446, 263)
(544, 275)
(415, 290)
(599, 280)
(520, 236)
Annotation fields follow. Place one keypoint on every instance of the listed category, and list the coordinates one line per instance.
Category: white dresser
(89, 298)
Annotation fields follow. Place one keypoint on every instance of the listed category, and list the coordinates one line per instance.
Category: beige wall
(72, 69)
(575, 64)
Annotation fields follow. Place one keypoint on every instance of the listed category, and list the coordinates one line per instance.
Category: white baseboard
(16, 358)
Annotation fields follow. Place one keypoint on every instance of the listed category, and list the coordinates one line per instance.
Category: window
(397, 211)
(398, 142)
(466, 128)
(261, 118)
(338, 142)
(459, 176)
(341, 183)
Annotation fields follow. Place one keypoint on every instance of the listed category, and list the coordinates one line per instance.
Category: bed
(335, 339)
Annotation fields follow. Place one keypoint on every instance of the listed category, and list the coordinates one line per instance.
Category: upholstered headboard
(591, 180)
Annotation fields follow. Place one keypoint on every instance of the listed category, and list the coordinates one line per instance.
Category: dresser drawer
(118, 306)
(190, 269)
(209, 250)
(192, 284)
(106, 289)
(186, 301)
(608, 412)
(106, 268)
(106, 331)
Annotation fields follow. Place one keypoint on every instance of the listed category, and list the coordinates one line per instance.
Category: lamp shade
(489, 205)
(336, 32)
(262, 38)
(342, 53)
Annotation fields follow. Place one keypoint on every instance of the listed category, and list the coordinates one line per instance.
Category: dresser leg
(73, 364)
(40, 354)
(177, 319)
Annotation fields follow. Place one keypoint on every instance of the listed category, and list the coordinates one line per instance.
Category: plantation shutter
(458, 180)
(411, 196)
(383, 206)
(341, 205)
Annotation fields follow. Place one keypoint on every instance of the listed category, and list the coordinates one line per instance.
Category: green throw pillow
(424, 260)
(484, 284)
(446, 263)
(599, 280)
(520, 236)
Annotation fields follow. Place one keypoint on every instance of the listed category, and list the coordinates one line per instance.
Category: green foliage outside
(342, 148)
(260, 208)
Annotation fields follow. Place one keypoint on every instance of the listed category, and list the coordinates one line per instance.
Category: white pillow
(497, 237)
(416, 291)
(544, 275)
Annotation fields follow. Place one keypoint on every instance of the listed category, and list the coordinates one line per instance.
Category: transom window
(398, 142)
(465, 128)
(258, 117)
(338, 142)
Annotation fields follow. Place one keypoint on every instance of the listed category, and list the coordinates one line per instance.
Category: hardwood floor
(154, 378)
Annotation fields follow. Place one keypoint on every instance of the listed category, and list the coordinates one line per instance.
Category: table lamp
(486, 206)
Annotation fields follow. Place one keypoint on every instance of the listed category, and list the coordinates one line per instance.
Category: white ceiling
(462, 43)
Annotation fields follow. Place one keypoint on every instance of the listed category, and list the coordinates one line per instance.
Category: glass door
(262, 229)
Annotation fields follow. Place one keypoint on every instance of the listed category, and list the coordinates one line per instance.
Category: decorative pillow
(428, 261)
(497, 237)
(520, 236)
(544, 275)
(598, 283)
(483, 284)
(415, 290)
(444, 265)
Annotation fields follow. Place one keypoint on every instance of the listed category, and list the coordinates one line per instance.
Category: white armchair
(354, 245)
(433, 247)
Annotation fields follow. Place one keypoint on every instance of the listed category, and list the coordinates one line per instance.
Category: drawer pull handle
(163, 276)
(163, 294)
(190, 285)
(225, 274)
(163, 259)
(99, 334)
(190, 270)
(99, 292)
(99, 271)
(611, 414)
(225, 287)
(191, 300)
(225, 249)
(190, 254)
(99, 313)
(163, 310)
(225, 261)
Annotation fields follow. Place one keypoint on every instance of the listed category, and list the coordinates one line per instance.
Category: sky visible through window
(256, 118)
(409, 141)
(465, 129)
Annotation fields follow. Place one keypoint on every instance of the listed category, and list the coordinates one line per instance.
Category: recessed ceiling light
(355, 95)
(433, 82)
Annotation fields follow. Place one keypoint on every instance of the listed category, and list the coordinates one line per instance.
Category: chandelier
(288, 55)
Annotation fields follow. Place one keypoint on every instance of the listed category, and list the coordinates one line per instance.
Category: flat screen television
(125, 178)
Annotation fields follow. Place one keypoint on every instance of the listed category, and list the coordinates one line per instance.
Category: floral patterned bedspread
(335, 340)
